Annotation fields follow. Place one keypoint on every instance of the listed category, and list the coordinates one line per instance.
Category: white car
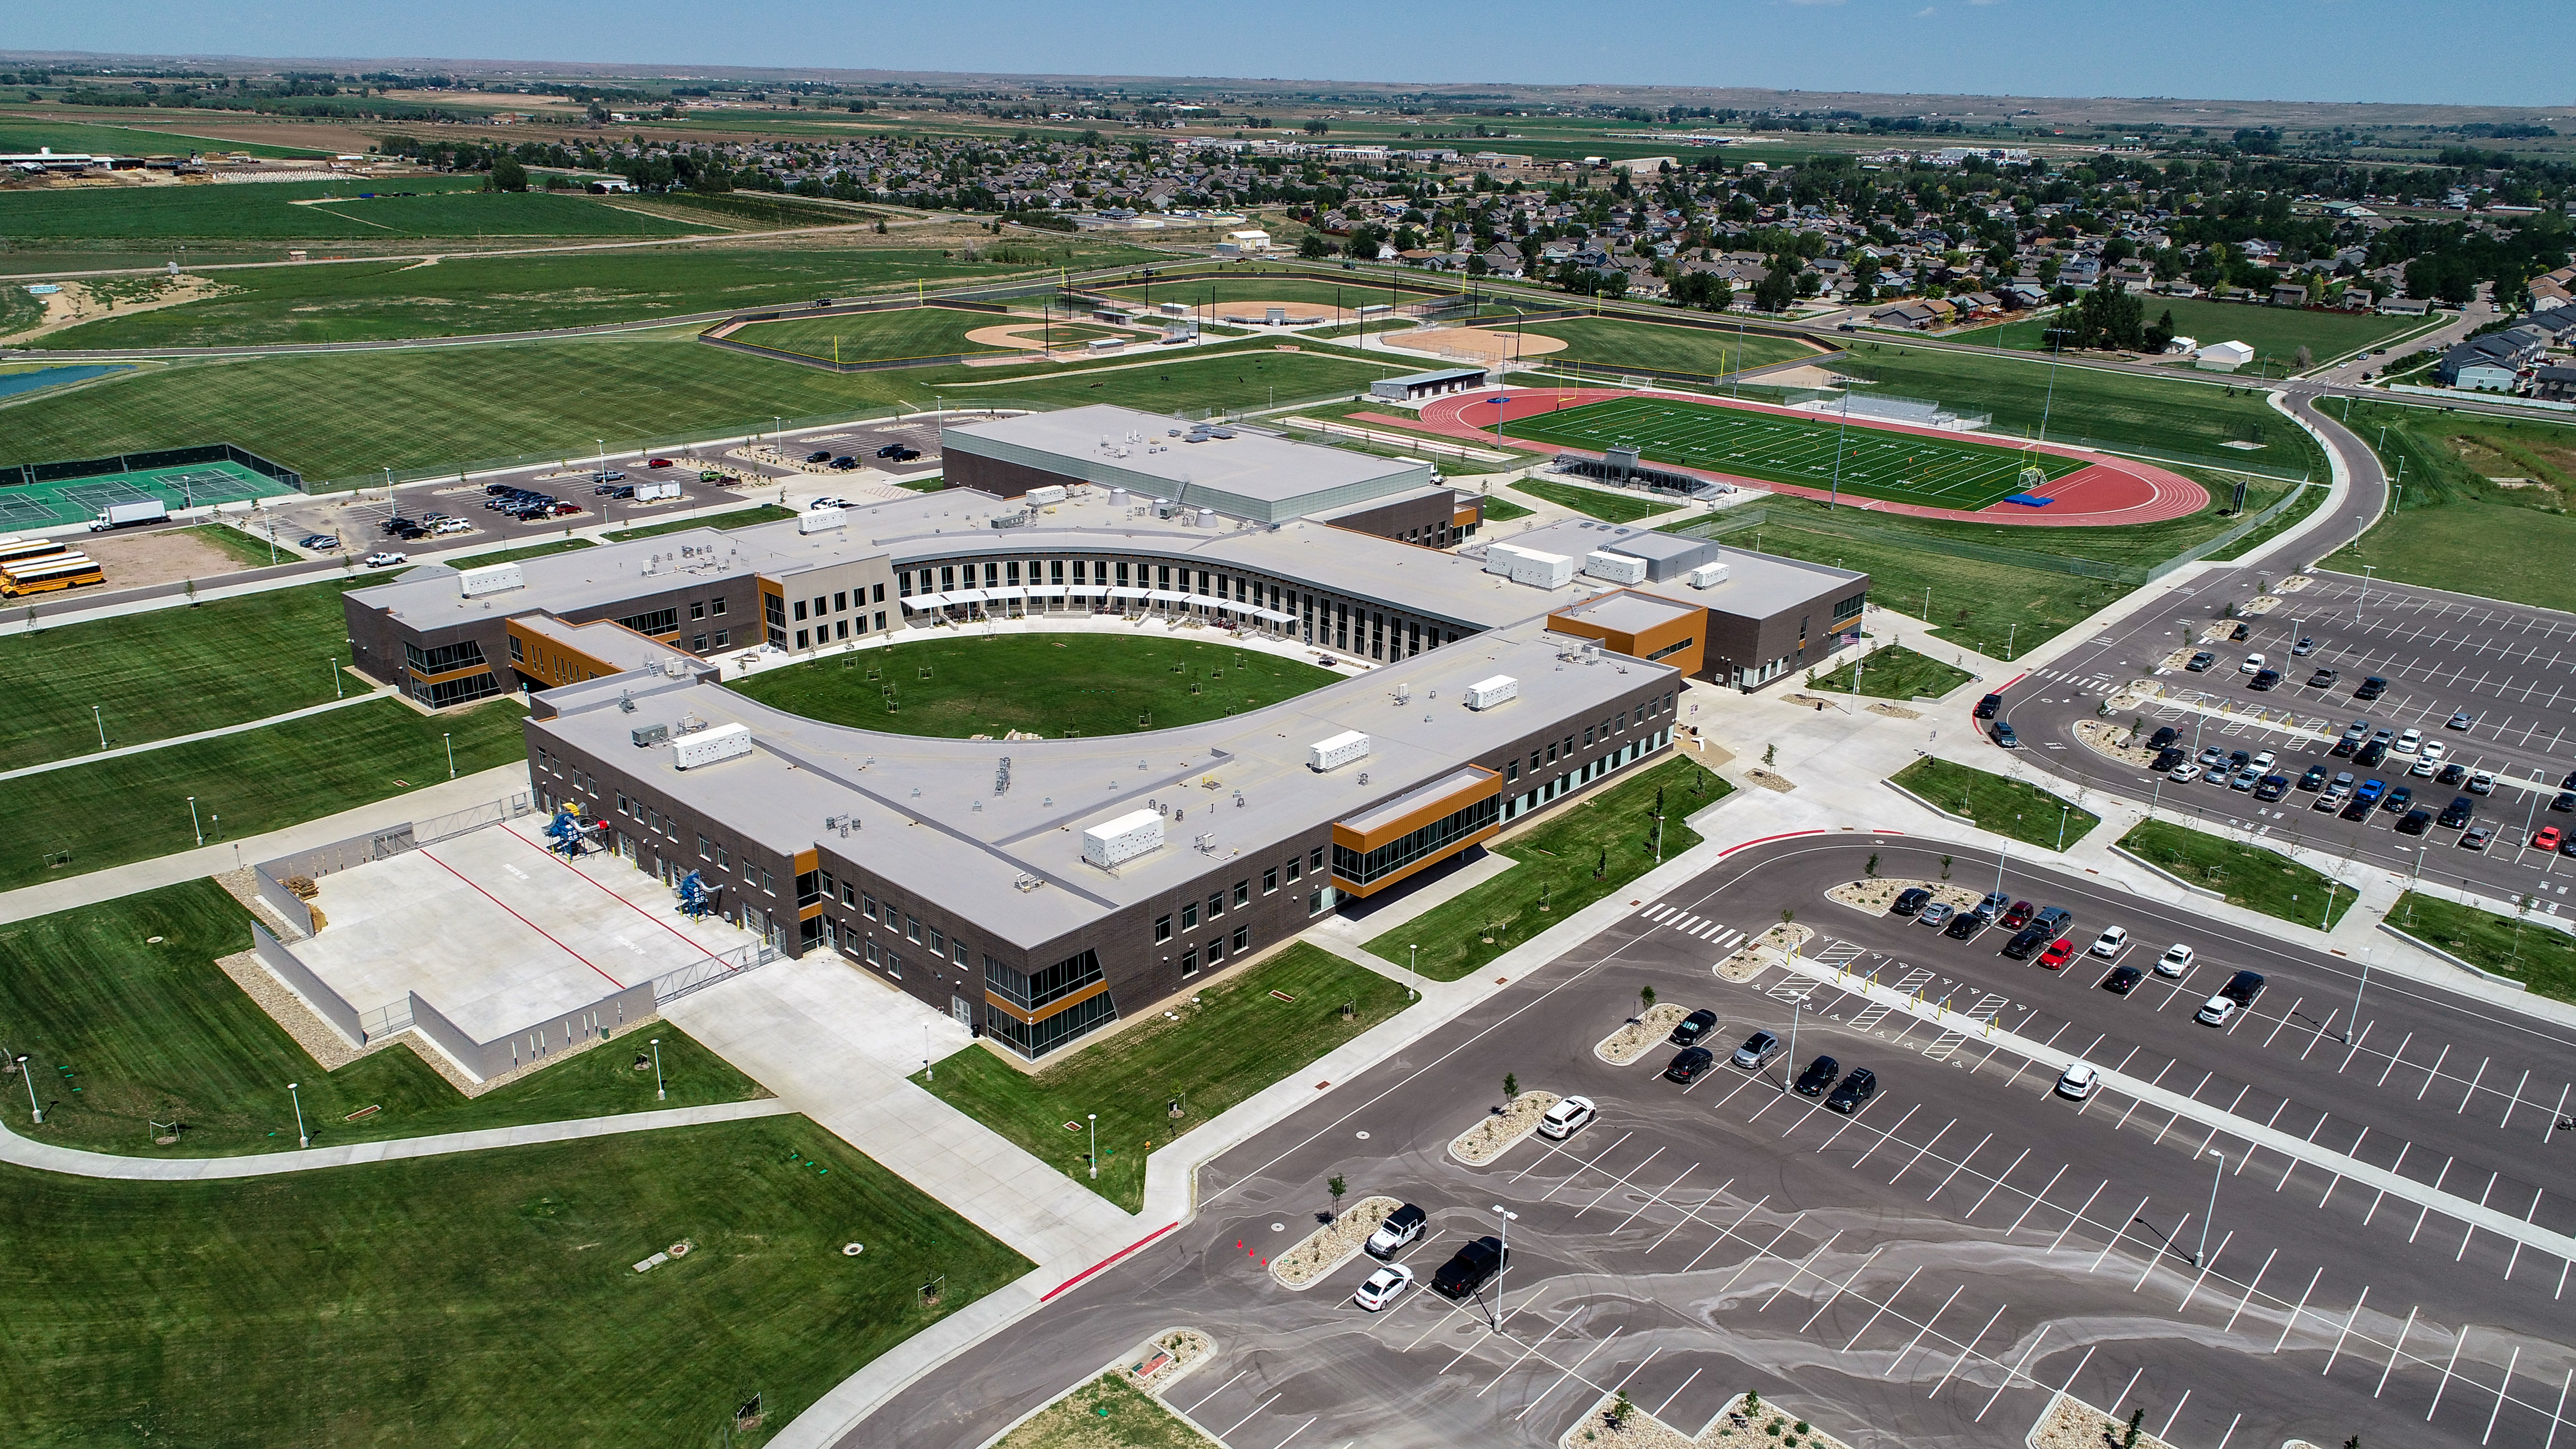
(2407, 743)
(452, 525)
(2216, 1011)
(2111, 941)
(2184, 773)
(2433, 752)
(2263, 761)
(2078, 1081)
(2253, 664)
(1567, 1117)
(2425, 764)
(2481, 782)
(2175, 961)
(386, 558)
(1383, 1287)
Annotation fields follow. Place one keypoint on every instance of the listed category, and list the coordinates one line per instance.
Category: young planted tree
(1511, 1086)
(1336, 1186)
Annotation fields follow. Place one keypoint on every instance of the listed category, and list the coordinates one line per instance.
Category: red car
(657, 462)
(2019, 915)
(566, 510)
(2059, 952)
(2547, 839)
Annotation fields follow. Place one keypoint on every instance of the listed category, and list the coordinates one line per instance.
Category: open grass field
(1553, 876)
(156, 1032)
(1266, 287)
(319, 211)
(2476, 487)
(1894, 672)
(2022, 811)
(2249, 876)
(932, 331)
(1599, 503)
(560, 396)
(453, 1299)
(21, 132)
(2273, 332)
(1898, 467)
(135, 807)
(2540, 957)
(157, 674)
(1056, 685)
(1617, 342)
(1503, 510)
(1235, 1037)
(461, 296)
(740, 518)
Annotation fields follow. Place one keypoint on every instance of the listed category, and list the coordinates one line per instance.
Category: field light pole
(451, 753)
(659, 1095)
(302, 1139)
(1835, 496)
(194, 822)
(2046, 402)
(29, 1073)
(100, 720)
(2215, 1174)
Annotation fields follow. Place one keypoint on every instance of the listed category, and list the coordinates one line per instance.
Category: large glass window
(1055, 983)
(1037, 1038)
(457, 691)
(660, 621)
(1392, 857)
(445, 657)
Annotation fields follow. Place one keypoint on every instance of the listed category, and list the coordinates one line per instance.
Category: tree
(1318, 126)
(1314, 248)
(1511, 1086)
(508, 175)
(1778, 287)
(1645, 999)
(2137, 1422)
(2302, 360)
(1336, 1186)
(1870, 866)
(2161, 335)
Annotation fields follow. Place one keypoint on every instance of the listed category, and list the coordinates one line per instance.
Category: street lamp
(1412, 958)
(2215, 1174)
(1095, 1144)
(193, 822)
(29, 1073)
(1795, 1006)
(1508, 1218)
(301, 1138)
(2356, 994)
(659, 1095)
(331, 665)
(451, 753)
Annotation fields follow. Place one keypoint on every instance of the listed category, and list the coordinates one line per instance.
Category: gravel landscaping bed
(2106, 738)
(1736, 1426)
(1876, 894)
(1632, 1041)
(1489, 1138)
(1160, 1361)
(1764, 951)
(2071, 1423)
(1326, 1248)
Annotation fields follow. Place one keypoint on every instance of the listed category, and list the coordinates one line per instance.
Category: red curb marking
(1765, 840)
(1105, 1262)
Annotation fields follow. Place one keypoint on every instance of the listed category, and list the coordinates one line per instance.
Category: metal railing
(698, 975)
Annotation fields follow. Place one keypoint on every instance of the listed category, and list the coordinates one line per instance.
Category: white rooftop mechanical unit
(1338, 751)
(1708, 576)
(1615, 568)
(1486, 693)
(490, 579)
(707, 747)
(1112, 843)
(1529, 566)
(815, 520)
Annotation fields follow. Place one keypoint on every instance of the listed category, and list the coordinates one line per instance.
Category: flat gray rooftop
(1249, 464)
(1574, 538)
(1628, 613)
(1757, 585)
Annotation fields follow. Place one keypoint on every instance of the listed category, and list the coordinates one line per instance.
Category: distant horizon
(2338, 52)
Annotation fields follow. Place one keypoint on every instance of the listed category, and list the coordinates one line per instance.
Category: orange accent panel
(1053, 1008)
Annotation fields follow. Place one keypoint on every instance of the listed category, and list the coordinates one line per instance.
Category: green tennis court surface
(1874, 463)
(73, 502)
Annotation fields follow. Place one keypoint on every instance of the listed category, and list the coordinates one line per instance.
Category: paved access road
(1930, 1270)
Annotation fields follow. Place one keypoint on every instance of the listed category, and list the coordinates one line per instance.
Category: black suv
(1470, 1268)
(1690, 1064)
(2371, 754)
(2201, 661)
(2027, 941)
(1817, 1077)
(1911, 900)
(1964, 926)
(1988, 706)
(1694, 1026)
(2168, 757)
(2371, 688)
(2164, 736)
(2314, 780)
(2457, 813)
(2243, 987)
(1854, 1093)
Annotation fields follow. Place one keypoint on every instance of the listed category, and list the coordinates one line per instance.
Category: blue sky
(2320, 50)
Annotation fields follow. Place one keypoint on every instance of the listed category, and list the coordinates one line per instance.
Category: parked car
(1964, 926)
(2548, 838)
(657, 462)
(2167, 759)
(2370, 791)
(2314, 780)
(2216, 1011)
(822, 457)
(1758, 1048)
(1818, 1076)
(2241, 632)
(1989, 705)
(2059, 952)
(318, 542)
(2264, 679)
(1383, 1287)
(2409, 741)
(1692, 1027)
(2017, 915)
(2164, 735)
(1398, 1231)
(610, 476)
(2025, 941)
(2476, 837)
(2246, 778)
(1689, 1065)
(2175, 961)
(2078, 1081)
(1858, 1086)
(2184, 773)
(2452, 773)
(2370, 754)
(2251, 664)
(2201, 661)
(2371, 688)
(2564, 800)
(2111, 942)
(1910, 900)
(2415, 821)
(2356, 808)
(2323, 678)
(1470, 1268)
(1567, 1118)
(2305, 647)
(904, 455)
(2123, 980)
(2481, 782)
(2457, 813)
(386, 558)
(2005, 738)
(2243, 987)
(2567, 846)
(2460, 719)
(2398, 799)
(1938, 913)
(2272, 787)
(2055, 918)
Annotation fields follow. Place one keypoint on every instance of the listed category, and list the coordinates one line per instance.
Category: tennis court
(1772, 448)
(73, 502)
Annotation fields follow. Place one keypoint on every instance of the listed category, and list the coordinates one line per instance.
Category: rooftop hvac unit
(1114, 842)
(1207, 518)
(1616, 568)
(1486, 693)
(1338, 751)
(1117, 497)
(1529, 566)
(1051, 493)
(707, 747)
(490, 579)
(647, 736)
(815, 520)
(1708, 575)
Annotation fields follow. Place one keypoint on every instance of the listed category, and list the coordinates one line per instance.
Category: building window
(1216, 905)
(912, 928)
(697, 609)
(1296, 867)
(722, 637)
(456, 691)
(868, 907)
(1037, 1038)
(698, 644)
(1190, 962)
(1063, 979)
(706, 848)
(1270, 880)
(1849, 609)
(1162, 929)
(1216, 950)
(1242, 939)
(938, 942)
(460, 655)
(1396, 855)
(800, 634)
(1190, 916)
(800, 611)
(1315, 858)
(515, 656)
(880, 595)
(716, 607)
(841, 602)
(1511, 769)
(1242, 892)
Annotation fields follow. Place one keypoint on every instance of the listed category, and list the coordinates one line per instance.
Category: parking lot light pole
(29, 1073)
(302, 1138)
(1504, 1266)
(659, 1095)
(194, 822)
(1794, 1008)
(100, 720)
(2215, 1174)
(2356, 994)
(2064, 812)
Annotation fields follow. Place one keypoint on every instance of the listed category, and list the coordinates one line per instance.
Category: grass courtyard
(1623, 507)
(1236, 1037)
(128, 1022)
(455, 1299)
(2541, 957)
(1558, 869)
(1808, 452)
(2249, 876)
(1894, 672)
(1056, 685)
(2006, 807)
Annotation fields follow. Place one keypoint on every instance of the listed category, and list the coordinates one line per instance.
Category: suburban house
(2393, 305)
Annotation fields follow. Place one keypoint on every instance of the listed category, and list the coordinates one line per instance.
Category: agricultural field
(322, 210)
(2275, 333)
(22, 132)
(1872, 462)
(2476, 486)
(559, 397)
(1047, 684)
(371, 300)
(932, 331)
(1617, 342)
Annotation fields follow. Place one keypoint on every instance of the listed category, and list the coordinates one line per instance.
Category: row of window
(1242, 895)
(825, 633)
(462, 654)
(1364, 868)
(445, 692)
(839, 603)
(653, 623)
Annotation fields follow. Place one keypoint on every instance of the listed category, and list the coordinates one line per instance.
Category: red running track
(2106, 492)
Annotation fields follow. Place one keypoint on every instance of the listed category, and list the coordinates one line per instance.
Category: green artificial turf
(1237, 1037)
(2275, 333)
(462, 1299)
(1894, 672)
(2022, 811)
(1054, 685)
(125, 1030)
(739, 518)
(1558, 870)
(1599, 503)
(2541, 957)
(2249, 876)
(1615, 342)
(136, 807)
(320, 211)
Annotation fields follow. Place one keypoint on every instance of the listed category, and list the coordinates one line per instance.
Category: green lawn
(2273, 332)
(320, 211)
(126, 1031)
(1894, 672)
(1607, 506)
(1504, 510)
(454, 1299)
(154, 674)
(1052, 685)
(1616, 342)
(2540, 957)
(135, 807)
(1556, 871)
(557, 398)
(1108, 1411)
(2262, 880)
(2006, 807)
(932, 331)
(2452, 517)
(739, 518)
(463, 295)
(1239, 1038)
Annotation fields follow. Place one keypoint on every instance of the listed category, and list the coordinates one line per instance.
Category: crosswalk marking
(1658, 911)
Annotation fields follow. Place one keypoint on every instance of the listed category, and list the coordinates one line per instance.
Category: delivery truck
(127, 515)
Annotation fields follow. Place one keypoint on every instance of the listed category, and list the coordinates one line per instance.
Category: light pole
(2356, 994)
(1412, 956)
(1508, 1218)
(193, 821)
(451, 753)
(301, 1138)
(2365, 592)
(2215, 1174)
(1095, 1144)
(100, 720)
(1794, 1008)
(29, 1073)
(2063, 812)
(331, 664)
(929, 1073)
(1835, 496)
(659, 1095)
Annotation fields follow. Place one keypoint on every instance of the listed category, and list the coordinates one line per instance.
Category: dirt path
(80, 302)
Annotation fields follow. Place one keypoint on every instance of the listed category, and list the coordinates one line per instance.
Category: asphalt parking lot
(1930, 1270)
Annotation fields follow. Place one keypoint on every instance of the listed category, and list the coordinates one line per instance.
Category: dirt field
(160, 557)
(79, 302)
(1477, 343)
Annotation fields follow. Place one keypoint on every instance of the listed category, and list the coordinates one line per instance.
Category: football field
(1769, 448)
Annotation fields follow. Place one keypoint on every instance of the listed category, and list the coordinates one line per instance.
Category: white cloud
(1925, 13)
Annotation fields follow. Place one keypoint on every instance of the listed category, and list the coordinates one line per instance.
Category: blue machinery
(697, 898)
(566, 832)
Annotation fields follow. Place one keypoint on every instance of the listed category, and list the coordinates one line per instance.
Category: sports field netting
(1936, 472)
(75, 501)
